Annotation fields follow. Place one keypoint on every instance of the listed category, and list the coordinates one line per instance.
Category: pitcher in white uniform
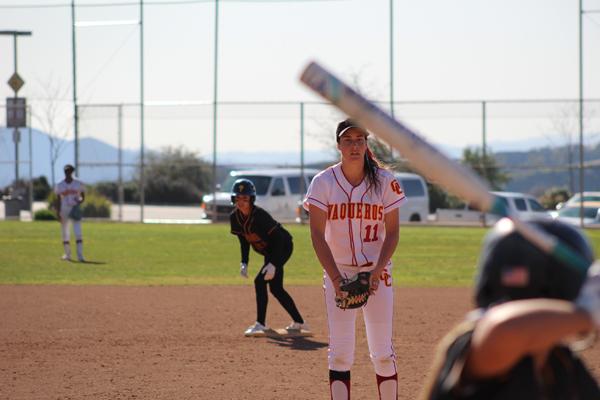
(354, 225)
(71, 193)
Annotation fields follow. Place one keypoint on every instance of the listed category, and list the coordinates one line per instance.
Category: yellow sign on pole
(16, 82)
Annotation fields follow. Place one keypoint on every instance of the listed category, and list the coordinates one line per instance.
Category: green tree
(485, 166)
(41, 188)
(553, 196)
(175, 176)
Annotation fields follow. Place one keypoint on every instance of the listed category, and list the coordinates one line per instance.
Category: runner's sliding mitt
(355, 290)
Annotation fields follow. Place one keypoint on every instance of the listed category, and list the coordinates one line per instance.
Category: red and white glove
(589, 295)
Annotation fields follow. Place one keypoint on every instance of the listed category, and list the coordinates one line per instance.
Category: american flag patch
(515, 276)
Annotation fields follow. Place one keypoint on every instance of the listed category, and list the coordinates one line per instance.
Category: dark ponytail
(372, 164)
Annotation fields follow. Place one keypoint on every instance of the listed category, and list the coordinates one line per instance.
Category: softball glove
(356, 289)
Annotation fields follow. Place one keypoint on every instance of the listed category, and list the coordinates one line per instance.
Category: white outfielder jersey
(69, 192)
(355, 228)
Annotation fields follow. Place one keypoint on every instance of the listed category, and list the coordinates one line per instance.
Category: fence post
(302, 182)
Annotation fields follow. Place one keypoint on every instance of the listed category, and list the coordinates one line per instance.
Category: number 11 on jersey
(371, 233)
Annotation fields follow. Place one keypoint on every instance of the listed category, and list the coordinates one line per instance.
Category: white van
(416, 208)
(277, 191)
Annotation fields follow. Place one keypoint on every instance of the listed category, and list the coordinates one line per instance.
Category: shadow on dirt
(297, 343)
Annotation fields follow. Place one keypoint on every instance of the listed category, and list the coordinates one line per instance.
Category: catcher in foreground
(354, 212)
(514, 346)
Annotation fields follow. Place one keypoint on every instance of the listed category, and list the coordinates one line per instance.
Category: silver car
(570, 213)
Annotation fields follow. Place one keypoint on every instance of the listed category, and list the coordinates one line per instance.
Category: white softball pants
(65, 231)
(377, 315)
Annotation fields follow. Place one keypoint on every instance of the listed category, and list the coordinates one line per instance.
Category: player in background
(70, 193)
(255, 227)
(515, 344)
(354, 225)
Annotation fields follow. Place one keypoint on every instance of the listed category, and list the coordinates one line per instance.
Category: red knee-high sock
(339, 385)
(387, 387)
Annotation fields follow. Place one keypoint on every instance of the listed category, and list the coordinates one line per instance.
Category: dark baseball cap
(69, 167)
(345, 125)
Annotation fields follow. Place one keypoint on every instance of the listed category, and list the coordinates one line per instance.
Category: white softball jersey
(355, 228)
(69, 192)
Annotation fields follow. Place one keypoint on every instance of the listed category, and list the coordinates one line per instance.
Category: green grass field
(136, 254)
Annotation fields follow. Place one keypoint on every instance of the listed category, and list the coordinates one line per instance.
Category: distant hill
(532, 171)
(535, 170)
(91, 151)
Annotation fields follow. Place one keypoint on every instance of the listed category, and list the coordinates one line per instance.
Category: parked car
(576, 198)
(277, 191)
(570, 213)
(525, 206)
(416, 208)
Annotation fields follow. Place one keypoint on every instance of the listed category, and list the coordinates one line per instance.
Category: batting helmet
(511, 268)
(243, 187)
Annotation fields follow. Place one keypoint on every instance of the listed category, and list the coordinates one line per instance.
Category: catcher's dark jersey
(565, 377)
(263, 233)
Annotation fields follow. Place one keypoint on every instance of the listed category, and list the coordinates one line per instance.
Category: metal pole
(484, 147)
(302, 183)
(392, 66)
(16, 133)
(120, 139)
(30, 167)
(392, 57)
(581, 170)
(484, 128)
(142, 151)
(215, 92)
(74, 67)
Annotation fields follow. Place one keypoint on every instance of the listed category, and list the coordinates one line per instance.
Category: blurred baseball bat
(428, 160)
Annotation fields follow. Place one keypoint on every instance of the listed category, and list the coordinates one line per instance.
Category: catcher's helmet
(243, 187)
(511, 268)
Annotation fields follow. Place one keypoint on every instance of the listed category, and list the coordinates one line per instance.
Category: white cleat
(65, 258)
(255, 330)
(297, 326)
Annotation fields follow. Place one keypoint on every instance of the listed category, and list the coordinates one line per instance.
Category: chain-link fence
(183, 138)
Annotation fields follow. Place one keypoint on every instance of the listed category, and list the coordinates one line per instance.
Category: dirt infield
(69, 342)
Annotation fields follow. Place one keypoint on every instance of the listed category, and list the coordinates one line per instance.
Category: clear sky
(443, 50)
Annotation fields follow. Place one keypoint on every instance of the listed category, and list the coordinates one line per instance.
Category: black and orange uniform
(268, 238)
(564, 376)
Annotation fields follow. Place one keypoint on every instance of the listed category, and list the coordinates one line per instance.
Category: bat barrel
(422, 156)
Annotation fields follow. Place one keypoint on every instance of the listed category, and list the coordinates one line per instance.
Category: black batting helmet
(243, 187)
(511, 268)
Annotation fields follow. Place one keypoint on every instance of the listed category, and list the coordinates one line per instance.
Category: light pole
(215, 119)
(16, 108)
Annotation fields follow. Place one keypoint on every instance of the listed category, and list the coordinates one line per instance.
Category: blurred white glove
(244, 270)
(269, 271)
(589, 296)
